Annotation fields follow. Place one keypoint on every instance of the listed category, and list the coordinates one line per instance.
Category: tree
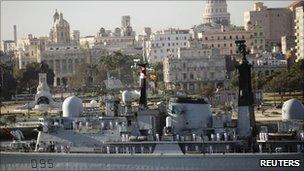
(118, 64)
(7, 80)
(208, 90)
(27, 79)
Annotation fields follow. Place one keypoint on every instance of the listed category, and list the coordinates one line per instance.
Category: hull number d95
(42, 163)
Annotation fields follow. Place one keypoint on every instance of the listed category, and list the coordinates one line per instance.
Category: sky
(36, 17)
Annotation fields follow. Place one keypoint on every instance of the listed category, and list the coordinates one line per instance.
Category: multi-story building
(276, 22)
(216, 12)
(287, 44)
(121, 39)
(8, 45)
(195, 66)
(29, 49)
(299, 33)
(224, 38)
(266, 63)
(166, 43)
(62, 53)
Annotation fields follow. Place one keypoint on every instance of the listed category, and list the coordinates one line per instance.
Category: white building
(216, 12)
(8, 45)
(166, 43)
(121, 39)
(299, 26)
(29, 49)
(195, 66)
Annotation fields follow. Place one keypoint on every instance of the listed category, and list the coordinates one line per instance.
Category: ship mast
(246, 119)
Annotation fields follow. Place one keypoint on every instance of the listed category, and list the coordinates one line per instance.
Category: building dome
(72, 107)
(292, 110)
(93, 103)
(61, 22)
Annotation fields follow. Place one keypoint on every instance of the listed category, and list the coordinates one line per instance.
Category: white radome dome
(292, 110)
(72, 107)
(93, 103)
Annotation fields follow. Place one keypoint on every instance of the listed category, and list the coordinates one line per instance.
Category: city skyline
(102, 14)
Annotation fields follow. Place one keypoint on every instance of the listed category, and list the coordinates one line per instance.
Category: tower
(15, 34)
(126, 21)
(60, 32)
(246, 119)
(216, 12)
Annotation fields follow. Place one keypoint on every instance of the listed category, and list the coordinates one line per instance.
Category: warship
(181, 135)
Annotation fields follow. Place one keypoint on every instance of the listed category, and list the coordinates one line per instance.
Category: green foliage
(28, 78)
(288, 80)
(119, 65)
(207, 90)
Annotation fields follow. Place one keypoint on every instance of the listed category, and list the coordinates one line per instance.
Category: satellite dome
(93, 103)
(292, 110)
(72, 107)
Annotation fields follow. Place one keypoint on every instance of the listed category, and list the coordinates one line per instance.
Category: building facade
(8, 45)
(120, 39)
(299, 33)
(62, 52)
(276, 22)
(224, 38)
(216, 12)
(287, 44)
(166, 43)
(196, 65)
(266, 64)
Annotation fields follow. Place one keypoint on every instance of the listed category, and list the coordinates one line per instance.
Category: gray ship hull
(90, 161)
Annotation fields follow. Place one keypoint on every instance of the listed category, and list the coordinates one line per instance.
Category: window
(218, 45)
(243, 37)
(176, 38)
(185, 44)
(230, 44)
(185, 76)
(224, 44)
(168, 44)
(168, 38)
(206, 38)
(230, 37)
(191, 76)
(212, 45)
(224, 37)
(237, 37)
